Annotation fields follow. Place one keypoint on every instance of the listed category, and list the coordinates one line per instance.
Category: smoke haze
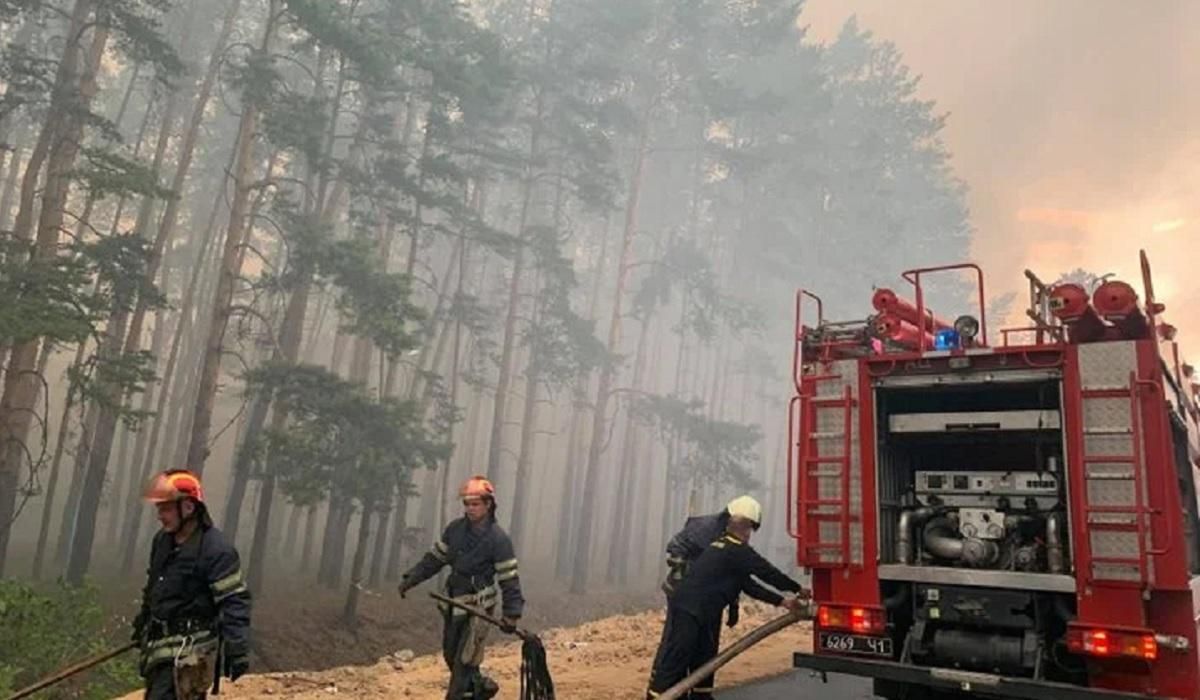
(1076, 125)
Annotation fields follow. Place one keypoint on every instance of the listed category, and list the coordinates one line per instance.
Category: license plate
(856, 644)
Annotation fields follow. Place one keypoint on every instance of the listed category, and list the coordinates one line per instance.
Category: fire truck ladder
(812, 508)
(1129, 518)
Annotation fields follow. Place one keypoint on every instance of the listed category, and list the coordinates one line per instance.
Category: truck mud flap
(983, 684)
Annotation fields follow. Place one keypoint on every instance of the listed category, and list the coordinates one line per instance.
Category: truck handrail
(914, 277)
(793, 500)
(1156, 390)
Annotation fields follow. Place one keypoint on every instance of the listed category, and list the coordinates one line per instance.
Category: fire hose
(536, 683)
(71, 671)
(753, 637)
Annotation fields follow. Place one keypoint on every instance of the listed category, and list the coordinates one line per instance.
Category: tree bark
(579, 574)
(350, 611)
(235, 235)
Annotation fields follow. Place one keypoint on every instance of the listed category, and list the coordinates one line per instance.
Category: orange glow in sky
(1074, 125)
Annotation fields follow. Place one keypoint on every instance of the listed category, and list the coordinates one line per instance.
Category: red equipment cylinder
(888, 302)
(1070, 304)
(896, 330)
(1118, 303)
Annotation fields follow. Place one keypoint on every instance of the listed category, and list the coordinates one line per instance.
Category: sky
(1074, 123)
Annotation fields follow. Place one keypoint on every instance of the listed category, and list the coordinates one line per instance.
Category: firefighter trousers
(688, 642)
(463, 638)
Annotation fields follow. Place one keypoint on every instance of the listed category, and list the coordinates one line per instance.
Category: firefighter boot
(486, 687)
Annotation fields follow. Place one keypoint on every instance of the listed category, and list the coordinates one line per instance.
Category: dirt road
(604, 660)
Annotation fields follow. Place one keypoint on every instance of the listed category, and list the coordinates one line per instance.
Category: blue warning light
(947, 340)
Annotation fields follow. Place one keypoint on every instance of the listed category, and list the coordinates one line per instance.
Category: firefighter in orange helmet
(483, 568)
(194, 622)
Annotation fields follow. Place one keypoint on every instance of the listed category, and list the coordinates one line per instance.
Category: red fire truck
(1011, 515)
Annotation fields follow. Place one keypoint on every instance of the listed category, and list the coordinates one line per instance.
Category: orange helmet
(174, 485)
(477, 486)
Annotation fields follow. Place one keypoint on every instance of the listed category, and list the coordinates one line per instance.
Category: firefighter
(194, 623)
(699, 532)
(483, 568)
(726, 568)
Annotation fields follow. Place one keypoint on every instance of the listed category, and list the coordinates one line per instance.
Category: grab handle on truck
(794, 433)
(1157, 390)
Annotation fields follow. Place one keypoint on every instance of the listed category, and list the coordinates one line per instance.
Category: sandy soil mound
(608, 659)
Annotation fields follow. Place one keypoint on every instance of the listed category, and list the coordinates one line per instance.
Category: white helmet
(745, 507)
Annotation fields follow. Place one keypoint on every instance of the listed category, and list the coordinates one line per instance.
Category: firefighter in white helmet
(724, 569)
(687, 544)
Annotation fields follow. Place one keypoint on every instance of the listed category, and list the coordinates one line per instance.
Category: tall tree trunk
(10, 187)
(521, 486)
(56, 147)
(257, 417)
(431, 352)
(499, 405)
(291, 532)
(290, 337)
(289, 346)
(350, 610)
(569, 497)
(333, 549)
(583, 550)
(618, 553)
(39, 556)
(443, 494)
(58, 180)
(400, 531)
(379, 547)
(646, 474)
(123, 337)
(235, 234)
(310, 531)
(70, 511)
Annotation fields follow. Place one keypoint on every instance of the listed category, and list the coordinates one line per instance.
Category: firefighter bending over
(194, 624)
(725, 569)
(699, 532)
(483, 567)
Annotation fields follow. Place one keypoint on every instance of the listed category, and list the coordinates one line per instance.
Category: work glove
(237, 661)
(733, 616)
(509, 625)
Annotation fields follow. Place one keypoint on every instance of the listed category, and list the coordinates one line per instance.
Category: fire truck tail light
(1106, 643)
(855, 619)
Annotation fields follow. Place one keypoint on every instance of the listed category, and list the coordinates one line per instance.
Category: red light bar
(854, 618)
(1108, 643)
